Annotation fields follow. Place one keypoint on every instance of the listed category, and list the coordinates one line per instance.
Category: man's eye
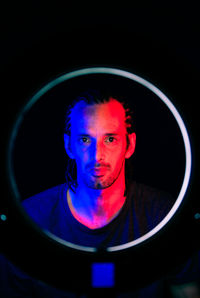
(84, 140)
(110, 139)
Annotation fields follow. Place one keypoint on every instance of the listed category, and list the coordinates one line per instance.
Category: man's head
(98, 138)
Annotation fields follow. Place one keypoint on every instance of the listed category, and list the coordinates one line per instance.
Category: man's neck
(95, 208)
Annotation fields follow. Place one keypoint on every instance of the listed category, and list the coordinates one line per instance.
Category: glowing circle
(3, 217)
(163, 98)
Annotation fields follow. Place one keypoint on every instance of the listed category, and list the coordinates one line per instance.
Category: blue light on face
(103, 275)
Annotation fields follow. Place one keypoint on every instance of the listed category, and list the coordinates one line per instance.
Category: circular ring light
(161, 96)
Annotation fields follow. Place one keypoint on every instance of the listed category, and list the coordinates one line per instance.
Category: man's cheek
(82, 160)
(116, 155)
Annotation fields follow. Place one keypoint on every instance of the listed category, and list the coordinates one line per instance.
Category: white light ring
(155, 90)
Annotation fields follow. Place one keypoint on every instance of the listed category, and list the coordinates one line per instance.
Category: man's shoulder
(150, 206)
(150, 196)
(45, 196)
(149, 192)
(44, 202)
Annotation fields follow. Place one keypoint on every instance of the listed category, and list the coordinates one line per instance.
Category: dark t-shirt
(143, 209)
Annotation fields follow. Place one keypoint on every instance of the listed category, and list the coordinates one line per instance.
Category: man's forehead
(109, 114)
(112, 108)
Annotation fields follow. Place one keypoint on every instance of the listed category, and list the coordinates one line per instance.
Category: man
(99, 140)
(99, 144)
(100, 205)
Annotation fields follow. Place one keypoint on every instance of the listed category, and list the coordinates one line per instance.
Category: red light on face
(99, 142)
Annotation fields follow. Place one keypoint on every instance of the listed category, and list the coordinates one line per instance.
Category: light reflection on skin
(98, 143)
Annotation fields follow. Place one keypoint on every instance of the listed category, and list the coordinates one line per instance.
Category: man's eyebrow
(112, 134)
(83, 134)
(106, 134)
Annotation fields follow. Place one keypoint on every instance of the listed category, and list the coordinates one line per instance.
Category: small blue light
(197, 216)
(3, 217)
(103, 275)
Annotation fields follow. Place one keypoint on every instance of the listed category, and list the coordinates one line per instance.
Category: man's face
(98, 142)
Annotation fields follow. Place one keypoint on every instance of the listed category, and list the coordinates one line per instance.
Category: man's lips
(98, 172)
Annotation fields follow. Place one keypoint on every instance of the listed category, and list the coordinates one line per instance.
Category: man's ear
(67, 146)
(131, 147)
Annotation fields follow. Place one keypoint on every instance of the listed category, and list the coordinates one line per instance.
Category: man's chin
(98, 184)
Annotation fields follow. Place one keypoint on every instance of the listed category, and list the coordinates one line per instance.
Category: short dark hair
(91, 97)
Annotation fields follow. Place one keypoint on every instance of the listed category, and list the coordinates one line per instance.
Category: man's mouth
(98, 172)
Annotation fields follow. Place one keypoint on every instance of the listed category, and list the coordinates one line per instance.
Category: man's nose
(99, 151)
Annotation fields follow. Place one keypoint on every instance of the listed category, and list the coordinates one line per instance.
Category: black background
(159, 41)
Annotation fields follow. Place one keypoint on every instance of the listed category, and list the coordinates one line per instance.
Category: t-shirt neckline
(83, 227)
